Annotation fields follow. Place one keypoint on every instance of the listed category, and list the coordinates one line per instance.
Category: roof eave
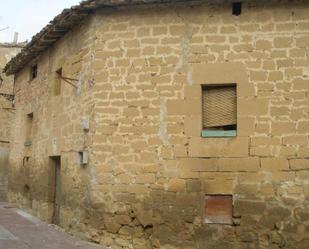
(64, 22)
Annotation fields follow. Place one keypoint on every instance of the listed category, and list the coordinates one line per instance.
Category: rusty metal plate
(218, 209)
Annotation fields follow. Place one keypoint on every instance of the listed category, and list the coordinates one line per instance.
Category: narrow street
(19, 230)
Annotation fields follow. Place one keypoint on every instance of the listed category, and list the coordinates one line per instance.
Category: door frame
(55, 187)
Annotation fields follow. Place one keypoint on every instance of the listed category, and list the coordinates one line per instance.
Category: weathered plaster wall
(149, 169)
(7, 51)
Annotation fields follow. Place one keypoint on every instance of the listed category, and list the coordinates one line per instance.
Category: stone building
(7, 51)
(167, 124)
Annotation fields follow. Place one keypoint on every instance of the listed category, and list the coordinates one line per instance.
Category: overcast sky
(27, 17)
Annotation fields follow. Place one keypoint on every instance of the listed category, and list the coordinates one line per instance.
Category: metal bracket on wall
(69, 81)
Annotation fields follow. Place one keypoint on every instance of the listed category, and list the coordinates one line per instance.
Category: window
(29, 122)
(219, 110)
(33, 71)
(218, 209)
(57, 85)
(236, 8)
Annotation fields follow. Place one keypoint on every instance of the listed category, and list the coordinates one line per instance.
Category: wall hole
(236, 8)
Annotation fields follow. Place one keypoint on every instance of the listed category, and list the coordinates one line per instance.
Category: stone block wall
(154, 168)
(7, 51)
(54, 129)
(141, 70)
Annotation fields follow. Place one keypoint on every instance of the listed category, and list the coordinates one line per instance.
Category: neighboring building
(7, 51)
(167, 124)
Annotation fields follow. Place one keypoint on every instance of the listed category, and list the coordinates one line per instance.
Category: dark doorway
(55, 187)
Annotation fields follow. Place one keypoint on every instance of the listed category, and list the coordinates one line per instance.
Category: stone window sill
(217, 133)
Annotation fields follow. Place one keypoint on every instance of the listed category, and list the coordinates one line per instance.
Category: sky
(28, 17)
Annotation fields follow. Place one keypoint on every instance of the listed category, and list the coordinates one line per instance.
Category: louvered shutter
(219, 106)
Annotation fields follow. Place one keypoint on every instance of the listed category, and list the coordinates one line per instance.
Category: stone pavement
(19, 230)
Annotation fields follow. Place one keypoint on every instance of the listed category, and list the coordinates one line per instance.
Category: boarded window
(218, 209)
(219, 107)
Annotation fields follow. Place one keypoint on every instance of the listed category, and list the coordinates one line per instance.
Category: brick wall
(150, 169)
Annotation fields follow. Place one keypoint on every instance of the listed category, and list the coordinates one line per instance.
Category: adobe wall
(141, 71)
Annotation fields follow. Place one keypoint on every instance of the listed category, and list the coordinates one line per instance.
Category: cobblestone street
(19, 230)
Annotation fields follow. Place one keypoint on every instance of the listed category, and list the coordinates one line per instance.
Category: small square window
(33, 71)
(219, 110)
(218, 209)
